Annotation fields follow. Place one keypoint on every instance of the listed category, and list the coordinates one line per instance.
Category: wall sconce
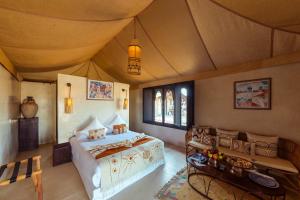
(125, 101)
(69, 101)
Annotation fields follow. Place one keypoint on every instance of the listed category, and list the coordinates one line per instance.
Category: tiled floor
(64, 183)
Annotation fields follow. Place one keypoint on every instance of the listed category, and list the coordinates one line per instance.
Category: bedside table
(62, 153)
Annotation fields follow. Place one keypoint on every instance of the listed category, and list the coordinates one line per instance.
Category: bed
(106, 176)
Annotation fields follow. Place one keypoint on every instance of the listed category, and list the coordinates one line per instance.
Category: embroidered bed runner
(101, 151)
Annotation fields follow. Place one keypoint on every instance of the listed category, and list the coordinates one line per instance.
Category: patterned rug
(179, 189)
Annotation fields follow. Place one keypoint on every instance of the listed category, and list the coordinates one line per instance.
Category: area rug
(179, 189)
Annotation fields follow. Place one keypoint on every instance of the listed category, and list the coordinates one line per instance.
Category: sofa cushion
(240, 146)
(199, 132)
(264, 145)
(224, 137)
(275, 163)
(199, 145)
(202, 135)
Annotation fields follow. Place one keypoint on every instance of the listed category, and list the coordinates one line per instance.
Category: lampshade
(125, 104)
(69, 100)
(134, 58)
(68, 105)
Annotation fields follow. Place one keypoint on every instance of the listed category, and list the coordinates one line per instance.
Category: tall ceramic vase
(29, 108)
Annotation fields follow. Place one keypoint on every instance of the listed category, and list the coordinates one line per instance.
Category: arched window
(158, 106)
(183, 101)
(169, 107)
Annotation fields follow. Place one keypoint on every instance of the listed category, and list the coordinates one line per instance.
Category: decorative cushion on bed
(93, 125)
(240, 146)
(224, 137)
(264, 145)
(117, 120)
(97, 134)
(119, 128)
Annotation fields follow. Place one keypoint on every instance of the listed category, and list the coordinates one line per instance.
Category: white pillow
(115, 121)
(95, 124)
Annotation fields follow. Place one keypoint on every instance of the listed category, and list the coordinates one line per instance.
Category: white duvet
(106, 176)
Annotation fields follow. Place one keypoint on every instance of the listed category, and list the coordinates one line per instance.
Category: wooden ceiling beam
(5, 62)
(249, 66)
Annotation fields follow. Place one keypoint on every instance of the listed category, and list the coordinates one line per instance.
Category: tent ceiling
(178, 37)
(276, 13)
(185, 37)
(78, 10)
(61, 33)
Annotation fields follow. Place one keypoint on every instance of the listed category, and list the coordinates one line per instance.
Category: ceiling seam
(52, 49)
(27, 69)
(288, 25)
(272, 43)
(156, 47)
(102, 54)
(109, 71)
(111, 75)
(97, 72)
(82, 65)
(252, 20)
(88, 69)
(200, 36)
(122, 47)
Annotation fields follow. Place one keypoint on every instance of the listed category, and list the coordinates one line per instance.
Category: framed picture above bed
(100, 90)
(253, 94)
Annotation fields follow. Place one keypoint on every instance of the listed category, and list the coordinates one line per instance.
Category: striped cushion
(225, 137)
(264, 145)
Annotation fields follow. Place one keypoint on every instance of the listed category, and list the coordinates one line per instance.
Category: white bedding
(99, 181)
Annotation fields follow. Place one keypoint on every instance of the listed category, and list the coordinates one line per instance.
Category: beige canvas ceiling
(178, 37)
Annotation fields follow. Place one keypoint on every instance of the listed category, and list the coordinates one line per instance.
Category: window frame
(173, 87)
(154, 91)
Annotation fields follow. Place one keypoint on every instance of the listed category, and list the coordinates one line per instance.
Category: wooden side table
(28, 133)
(62, 153)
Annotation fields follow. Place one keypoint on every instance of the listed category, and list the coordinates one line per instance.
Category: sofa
(286, 161)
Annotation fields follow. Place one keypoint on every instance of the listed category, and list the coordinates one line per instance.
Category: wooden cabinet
(28, 133)
(62, 153)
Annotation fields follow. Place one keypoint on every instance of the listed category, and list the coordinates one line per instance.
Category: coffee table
(243, 183)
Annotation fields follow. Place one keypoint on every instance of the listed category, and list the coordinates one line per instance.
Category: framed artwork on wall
(100, 90)
(253, 94)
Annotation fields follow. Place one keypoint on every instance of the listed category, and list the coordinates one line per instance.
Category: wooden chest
(62, 153)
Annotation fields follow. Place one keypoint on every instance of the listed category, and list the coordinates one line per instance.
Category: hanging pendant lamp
(134, 54)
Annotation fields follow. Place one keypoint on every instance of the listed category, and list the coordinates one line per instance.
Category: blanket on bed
(117, 167)
(100, 151)
(116, 149)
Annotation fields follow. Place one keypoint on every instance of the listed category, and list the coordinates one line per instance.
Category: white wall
(9, 113)
(83, 109)
(214, 106)
(214, 103)
(45, 96)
